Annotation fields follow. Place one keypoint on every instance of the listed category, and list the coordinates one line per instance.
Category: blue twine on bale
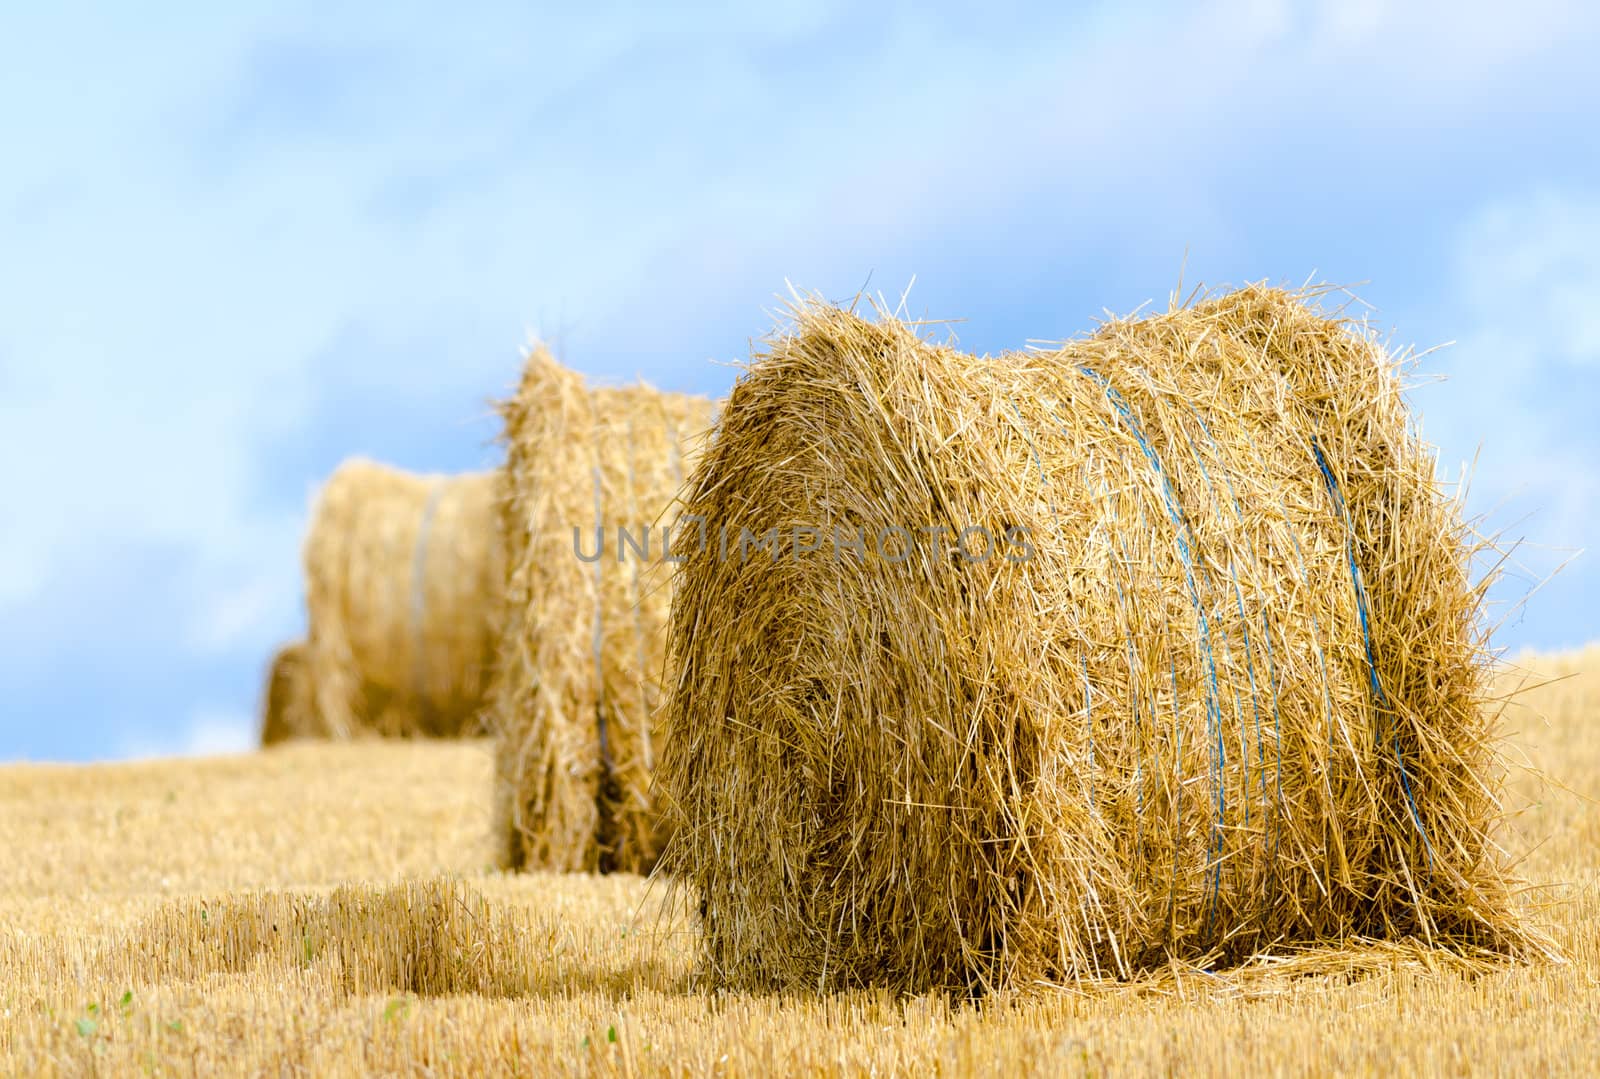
(1277, 726)
(1244, 622)
(1127, 619)
(1375, 683)
(1184, 538)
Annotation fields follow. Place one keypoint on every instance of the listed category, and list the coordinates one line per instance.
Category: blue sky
(241, 242)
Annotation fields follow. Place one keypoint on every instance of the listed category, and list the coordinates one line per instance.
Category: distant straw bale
(1158, 646)
(404, 580)
(285, 704)
(582, 655)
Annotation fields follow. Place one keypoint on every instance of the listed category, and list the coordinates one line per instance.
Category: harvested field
(138, 907)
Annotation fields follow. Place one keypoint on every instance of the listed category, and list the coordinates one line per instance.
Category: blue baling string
(1088, 719)
(1122, 601)
(1184, 539)
(1366, 634)
(1244, 625)
(1272, 676)
(1277, 727)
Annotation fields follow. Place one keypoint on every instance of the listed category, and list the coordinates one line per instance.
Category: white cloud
(1528, 274)
(208, 732)
(1520, 385)
(1533, 264)
(254, 596)
(1351, 22)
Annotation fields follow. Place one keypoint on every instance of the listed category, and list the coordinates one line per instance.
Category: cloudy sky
(241, 242)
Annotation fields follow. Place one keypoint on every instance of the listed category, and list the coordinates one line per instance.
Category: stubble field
(327, 909)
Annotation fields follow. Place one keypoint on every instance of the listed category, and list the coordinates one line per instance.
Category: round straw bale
(285, 705)
(1068, 664)
(582, 654)
(404, 578)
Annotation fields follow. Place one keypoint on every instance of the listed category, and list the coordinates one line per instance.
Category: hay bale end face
(582, 654)
(404, 579)
(1069, 664)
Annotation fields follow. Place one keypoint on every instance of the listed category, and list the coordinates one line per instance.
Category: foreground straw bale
(404, 578)
(583, 650)
(1201, 679)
